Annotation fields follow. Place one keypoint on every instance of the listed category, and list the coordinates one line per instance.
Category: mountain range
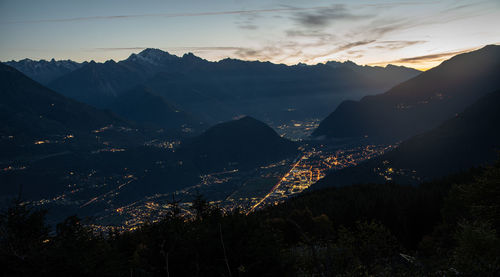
(213, 92)
(419, 104)
(44, 71)
(384, 76)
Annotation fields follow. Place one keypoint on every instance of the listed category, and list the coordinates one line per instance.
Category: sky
(418, 34)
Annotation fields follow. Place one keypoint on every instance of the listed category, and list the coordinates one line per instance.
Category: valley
(249, 138)
(244, 190)
(121, 174)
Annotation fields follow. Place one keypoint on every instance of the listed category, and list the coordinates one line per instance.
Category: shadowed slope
(418, 104)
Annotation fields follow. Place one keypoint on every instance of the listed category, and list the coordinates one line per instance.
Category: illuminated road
(275, 186)
(103, 196)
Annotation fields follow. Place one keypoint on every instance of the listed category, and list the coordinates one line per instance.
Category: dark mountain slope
(37, 121)
(467, 140)
(143, 106)
(421, 103)
(241, 143)
(48, 141)
(98, 84)
(29, 109)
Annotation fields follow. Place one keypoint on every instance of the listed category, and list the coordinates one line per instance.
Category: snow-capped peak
(152, 56)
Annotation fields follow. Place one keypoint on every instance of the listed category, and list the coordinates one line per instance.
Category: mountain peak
(392, 66)
(245, 124)
(153, 56)
(151, 52)
(246, 141)
(247, 118)
(348, 62)
(491, 47)
(191, 57)
(189, 54)
(336, 64)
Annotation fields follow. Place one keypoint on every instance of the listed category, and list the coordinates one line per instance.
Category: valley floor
(246, 191)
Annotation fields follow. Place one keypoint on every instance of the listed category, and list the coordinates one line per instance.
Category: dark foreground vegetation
(444, 228)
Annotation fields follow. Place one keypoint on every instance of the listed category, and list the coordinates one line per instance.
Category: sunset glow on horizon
(414, 34)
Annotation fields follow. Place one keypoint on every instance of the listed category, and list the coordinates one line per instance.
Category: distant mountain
(144, 107)
(30, 109)
(418, 104)
(229, 88)
(241, 143)
(384, 76)
(219, 91)
(44, 71)
(472, 138)
(98, 84)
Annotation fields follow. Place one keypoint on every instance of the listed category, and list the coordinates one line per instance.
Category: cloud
(350, 45)
(431, 57)
(397, 44)
(248, 21)
(323, 17)
(379, 27)
(461, 7)
(395, 4)
(427, 58)
(312, 57)
(290, 50)
(312, 31)
(248, 26)
(368, 29)
(309, 34)
(165, 15)
(263, 53)
(309, 39)
(315, 42)
(355, 52)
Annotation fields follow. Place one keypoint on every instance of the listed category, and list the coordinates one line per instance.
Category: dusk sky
(418, 34)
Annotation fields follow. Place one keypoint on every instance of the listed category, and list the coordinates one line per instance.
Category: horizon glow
(418, 34)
